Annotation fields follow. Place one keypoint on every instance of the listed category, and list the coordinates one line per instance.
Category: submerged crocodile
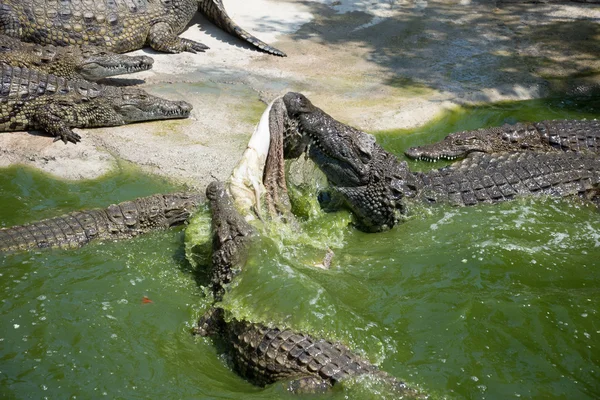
(561, 135)
(377, 187)
(72, 62)
(35, 101)
(263, 354)
(119, 221)
(118, 25)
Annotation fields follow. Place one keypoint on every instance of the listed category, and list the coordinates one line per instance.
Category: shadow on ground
(463, 48)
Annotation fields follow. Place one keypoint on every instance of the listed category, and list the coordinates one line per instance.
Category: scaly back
(21, 87)
(119, 25)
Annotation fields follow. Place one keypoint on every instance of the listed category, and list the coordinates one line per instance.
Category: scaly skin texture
(215, 11)
(35, 101)
(231, 234)
(117, 25)
(276, 196)
(71, 62)
(545, 136)
(118, 221)
(261, 354)
(376, 186)
(265, 355)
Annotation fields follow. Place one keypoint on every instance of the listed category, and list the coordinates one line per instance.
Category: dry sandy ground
(372, 64)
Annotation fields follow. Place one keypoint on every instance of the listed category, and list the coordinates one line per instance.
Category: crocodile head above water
(489, 140)
(341, 152)
(178, 207)
(363, 176)
(94, 63)
(135, 105)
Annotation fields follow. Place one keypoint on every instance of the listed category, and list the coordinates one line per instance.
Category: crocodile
(119, 221)
(117, 25)
(559, 135)
(378, 188)
(231, 235)
(71, 62)
(31, 100)
(263, 354)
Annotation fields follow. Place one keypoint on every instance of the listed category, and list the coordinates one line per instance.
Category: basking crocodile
(117, 25)
(72, 62)
(263, 354)
(118, 221)
(376, 186)
(561, 135)
(35, 101)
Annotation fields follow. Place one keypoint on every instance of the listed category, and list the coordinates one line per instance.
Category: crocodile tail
(215, 11)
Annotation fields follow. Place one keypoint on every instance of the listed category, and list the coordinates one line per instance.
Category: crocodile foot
(162, 38)
(192, 46)
(68, 136)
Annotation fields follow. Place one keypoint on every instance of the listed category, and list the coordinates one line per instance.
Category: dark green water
(489, 302)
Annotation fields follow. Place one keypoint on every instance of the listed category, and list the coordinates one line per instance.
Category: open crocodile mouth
(337, 169)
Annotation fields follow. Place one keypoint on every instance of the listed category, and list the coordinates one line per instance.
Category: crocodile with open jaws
(119, 221)
(559, 135)
(116, 25)
(38, 101)
(263, 354)
(72, 62)
(377, 187)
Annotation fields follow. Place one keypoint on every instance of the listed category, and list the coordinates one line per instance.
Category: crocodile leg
(52, 119)
(215, 11)
(162, 38)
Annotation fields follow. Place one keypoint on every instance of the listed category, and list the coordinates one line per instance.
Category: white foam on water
(446, 219)
(592, 233)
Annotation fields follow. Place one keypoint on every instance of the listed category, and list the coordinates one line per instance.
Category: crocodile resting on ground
(35, 101)
(376, 186)
(119, 221)
(71, 62)
(116, 25)
(560, 135)
(263, 354)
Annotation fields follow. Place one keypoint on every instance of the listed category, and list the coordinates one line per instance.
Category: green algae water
(487, 302)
